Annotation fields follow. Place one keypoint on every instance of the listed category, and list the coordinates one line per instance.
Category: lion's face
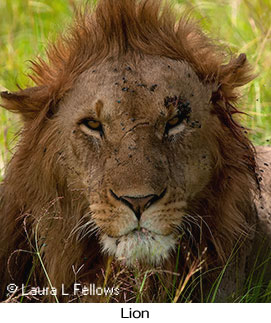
(138, 149)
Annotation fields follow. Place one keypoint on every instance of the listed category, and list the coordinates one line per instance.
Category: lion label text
(135, 314)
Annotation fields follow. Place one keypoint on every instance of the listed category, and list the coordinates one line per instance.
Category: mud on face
(144, 132)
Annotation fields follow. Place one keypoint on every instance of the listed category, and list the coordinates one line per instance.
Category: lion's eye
(174, 122)
(92, 124)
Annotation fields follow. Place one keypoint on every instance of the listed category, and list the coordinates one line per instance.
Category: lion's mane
(36, 203)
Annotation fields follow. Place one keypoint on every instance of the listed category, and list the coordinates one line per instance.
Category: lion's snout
(139, 203)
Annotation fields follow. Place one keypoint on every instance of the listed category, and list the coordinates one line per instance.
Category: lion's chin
(139, 246)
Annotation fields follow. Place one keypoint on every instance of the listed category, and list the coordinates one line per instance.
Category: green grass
(25, 28)
(240, 25)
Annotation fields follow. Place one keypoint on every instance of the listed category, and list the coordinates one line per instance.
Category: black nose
(138, 204)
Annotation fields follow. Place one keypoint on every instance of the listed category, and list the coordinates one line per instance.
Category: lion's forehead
(137, 88)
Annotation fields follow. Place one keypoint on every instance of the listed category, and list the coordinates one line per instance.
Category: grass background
(240, 25)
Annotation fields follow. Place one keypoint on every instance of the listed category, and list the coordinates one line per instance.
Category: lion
(131, 160)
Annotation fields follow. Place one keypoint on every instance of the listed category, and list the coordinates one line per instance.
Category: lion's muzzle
(138, 204)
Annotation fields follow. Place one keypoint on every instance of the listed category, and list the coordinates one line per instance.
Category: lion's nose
(138, 204)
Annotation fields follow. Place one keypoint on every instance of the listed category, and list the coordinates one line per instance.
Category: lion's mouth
(141, 233)
(139, 245)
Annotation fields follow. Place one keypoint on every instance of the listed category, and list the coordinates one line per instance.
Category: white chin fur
(139, 247)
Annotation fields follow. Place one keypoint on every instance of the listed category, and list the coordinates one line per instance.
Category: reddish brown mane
(116, 29)
(121, 27)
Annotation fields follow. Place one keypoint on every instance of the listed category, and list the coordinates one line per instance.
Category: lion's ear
(28, 103)
(236, 73)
